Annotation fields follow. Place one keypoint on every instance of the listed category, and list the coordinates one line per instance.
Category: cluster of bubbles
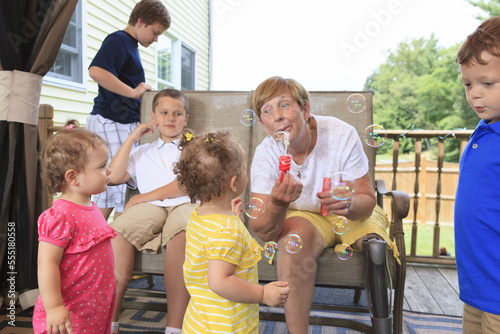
(343, 188)
(292, 243)
(374, 135)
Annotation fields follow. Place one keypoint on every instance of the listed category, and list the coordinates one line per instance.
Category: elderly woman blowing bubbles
(320, 146)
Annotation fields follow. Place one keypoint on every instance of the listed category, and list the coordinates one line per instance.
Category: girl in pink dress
(75, 258)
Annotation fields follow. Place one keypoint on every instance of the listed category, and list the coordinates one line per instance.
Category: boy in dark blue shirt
(118, 70)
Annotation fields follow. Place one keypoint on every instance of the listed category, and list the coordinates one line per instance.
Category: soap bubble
(282, 139)
(340, 225)
(254, 208)
(345, 252)
(248, 117)
(293, 243)
(343, 186)
(261, 183)
(270, 249)
(375, 135)
(356, 103)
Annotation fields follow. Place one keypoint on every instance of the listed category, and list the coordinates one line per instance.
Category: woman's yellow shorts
(377, 223)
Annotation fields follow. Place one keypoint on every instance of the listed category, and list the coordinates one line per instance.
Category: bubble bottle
(282, 139)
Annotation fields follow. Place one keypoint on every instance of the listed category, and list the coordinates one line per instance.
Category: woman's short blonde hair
(274, 86)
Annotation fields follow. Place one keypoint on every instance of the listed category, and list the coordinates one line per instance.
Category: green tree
(420, 86)
(492, 8)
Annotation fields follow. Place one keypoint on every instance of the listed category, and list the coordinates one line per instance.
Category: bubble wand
(282, 139)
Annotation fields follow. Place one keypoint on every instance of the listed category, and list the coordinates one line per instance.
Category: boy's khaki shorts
(148, 226)
(377, 223)
(479, 322)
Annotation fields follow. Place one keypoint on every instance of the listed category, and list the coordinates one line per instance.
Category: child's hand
(58, 320)
(275, 293)
(236, 207)
(139, 90)
(136, 199)
(141, 130)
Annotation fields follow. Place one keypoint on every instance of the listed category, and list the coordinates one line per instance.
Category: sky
(324, 44)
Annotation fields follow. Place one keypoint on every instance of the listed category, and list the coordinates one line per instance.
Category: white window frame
(81, 10)
(177, 45)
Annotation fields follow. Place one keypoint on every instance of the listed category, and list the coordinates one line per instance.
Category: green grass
(425, 238)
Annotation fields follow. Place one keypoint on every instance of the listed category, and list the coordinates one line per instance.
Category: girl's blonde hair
(207, 164)
(66, 149)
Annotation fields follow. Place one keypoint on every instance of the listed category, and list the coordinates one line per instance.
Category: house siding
(190, 23)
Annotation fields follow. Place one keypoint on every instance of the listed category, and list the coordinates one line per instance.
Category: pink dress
(87, 266)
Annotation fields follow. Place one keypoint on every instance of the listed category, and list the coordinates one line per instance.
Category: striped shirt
(218, 237)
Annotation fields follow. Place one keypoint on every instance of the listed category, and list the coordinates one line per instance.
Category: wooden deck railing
(392, 175)
(441, 136)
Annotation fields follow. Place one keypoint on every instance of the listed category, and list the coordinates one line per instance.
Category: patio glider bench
(212, 110)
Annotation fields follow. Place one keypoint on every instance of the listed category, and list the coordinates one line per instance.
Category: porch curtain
(31, 33)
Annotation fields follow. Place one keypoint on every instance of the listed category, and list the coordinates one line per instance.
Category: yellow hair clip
(209, 139)
(188, 136)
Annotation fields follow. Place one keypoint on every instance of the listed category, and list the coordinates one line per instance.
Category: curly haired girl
(220, 267)
(75, 258)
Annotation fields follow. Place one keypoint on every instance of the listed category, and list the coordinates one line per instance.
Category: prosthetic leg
(377, 278)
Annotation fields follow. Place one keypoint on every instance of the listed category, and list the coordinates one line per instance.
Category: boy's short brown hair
(274, 86)
(150, 11)
(485, 38)
(173, 93)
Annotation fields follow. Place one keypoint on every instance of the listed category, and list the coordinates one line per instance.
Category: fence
(428, 177)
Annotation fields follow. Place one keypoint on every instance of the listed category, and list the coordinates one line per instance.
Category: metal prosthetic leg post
(376, 279)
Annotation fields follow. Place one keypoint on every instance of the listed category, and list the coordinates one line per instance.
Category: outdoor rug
(151, 322)
(134, 321)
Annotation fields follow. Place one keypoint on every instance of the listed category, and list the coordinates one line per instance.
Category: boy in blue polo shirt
(118, 70)
(157, 217)
(477, 208)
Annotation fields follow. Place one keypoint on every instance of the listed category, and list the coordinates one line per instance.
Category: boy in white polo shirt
(158, 215)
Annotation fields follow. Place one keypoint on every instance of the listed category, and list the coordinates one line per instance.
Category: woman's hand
(336, 206)
(286, 192)
(359, 206)
(58, 320)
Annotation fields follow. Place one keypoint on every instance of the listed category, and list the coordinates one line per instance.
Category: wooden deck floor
(432, 290)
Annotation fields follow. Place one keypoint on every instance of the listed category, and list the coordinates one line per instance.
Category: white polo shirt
(151, 165)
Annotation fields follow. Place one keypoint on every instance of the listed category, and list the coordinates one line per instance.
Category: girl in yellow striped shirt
(220, 267)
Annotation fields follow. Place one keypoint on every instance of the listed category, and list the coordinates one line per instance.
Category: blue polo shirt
(477, 220)
(119, 55)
